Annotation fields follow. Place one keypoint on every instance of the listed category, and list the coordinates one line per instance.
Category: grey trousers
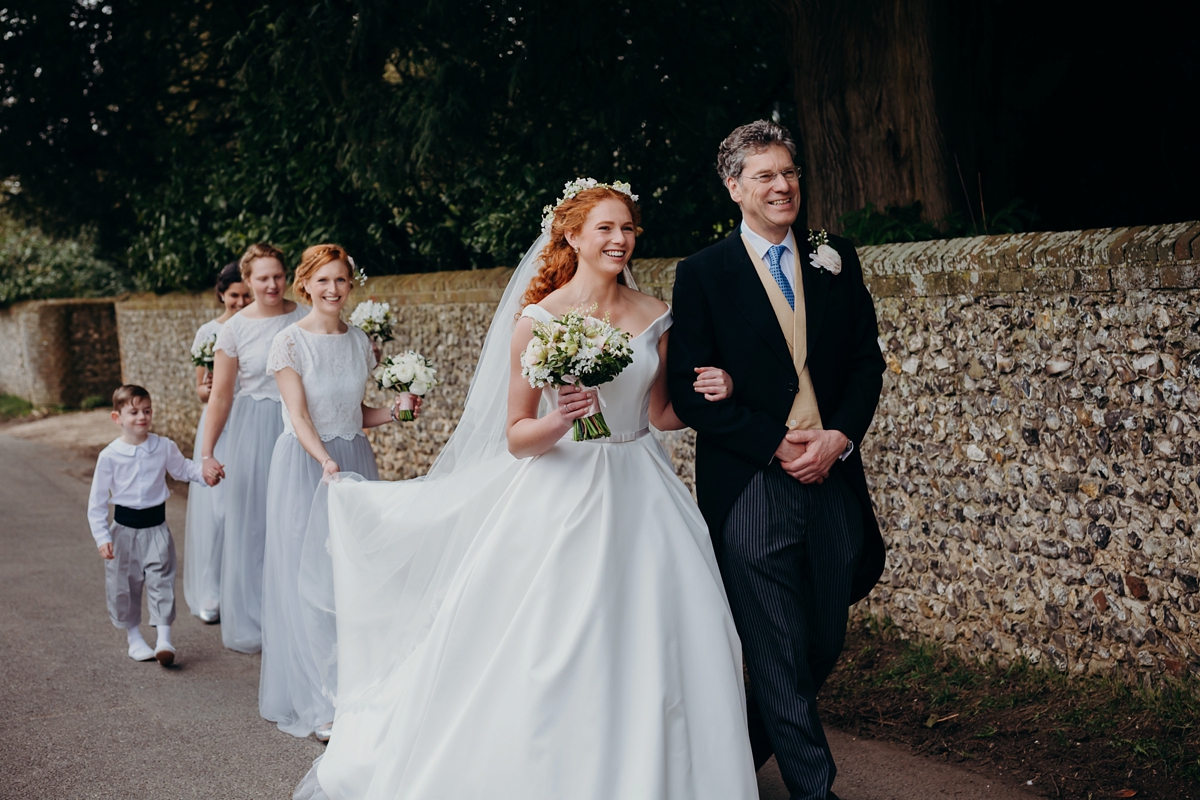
(141, 557)
(787, 554)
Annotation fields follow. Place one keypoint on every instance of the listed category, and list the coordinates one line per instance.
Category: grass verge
(13, 407)
(1075, 737)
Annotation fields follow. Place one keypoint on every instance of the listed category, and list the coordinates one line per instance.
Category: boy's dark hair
(124, 395)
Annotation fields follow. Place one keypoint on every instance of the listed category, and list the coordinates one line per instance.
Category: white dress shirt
(787, 261)
(134, 476)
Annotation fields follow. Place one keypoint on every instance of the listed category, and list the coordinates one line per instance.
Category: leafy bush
(34, 266)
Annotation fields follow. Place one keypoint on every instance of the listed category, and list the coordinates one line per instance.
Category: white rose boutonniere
(825, 256)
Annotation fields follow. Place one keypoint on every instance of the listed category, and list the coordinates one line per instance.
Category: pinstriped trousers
(787, 554)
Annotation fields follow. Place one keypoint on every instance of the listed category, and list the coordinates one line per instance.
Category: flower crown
(356, 273)
(572, 188)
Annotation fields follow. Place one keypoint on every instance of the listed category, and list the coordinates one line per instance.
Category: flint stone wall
(1034, 460)
(156, 334)
(59, 352)
(1035, 457)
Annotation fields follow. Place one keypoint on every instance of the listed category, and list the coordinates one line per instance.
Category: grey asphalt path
(79, 719)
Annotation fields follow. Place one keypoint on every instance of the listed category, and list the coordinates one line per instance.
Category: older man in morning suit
(779, 474)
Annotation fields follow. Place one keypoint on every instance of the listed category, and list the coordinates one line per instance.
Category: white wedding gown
(583, 647)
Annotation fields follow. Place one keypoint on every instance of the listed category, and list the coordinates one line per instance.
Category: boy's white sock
(138, 649)
(164, 638)
(134, 635)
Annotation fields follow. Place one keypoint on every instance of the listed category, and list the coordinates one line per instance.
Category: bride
(540, 618)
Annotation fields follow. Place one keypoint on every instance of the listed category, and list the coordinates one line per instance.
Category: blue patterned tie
(774, 253)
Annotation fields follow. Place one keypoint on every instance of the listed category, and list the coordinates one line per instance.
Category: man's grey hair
(749, 140)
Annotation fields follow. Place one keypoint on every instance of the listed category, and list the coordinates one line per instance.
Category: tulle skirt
(298, 678)
(253, 427)
(584, 648)
(204, 536)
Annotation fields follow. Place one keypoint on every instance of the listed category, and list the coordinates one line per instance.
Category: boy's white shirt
(134, 476)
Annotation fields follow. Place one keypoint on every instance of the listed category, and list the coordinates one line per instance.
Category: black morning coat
(723, 318)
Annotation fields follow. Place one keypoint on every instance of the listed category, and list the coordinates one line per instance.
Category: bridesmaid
(205, 531)
(322, 367)
(244, 396)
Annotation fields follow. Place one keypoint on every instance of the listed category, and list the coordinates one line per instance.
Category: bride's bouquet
(374, 319)
(202, 352)
(577, 349)
(408, 373)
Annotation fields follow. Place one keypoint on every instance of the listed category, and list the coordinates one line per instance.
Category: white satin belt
(618, 438)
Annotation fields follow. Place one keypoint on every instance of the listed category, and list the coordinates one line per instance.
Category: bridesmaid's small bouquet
(577, 349)
(408, 373)
(202, 352)
(374, 319)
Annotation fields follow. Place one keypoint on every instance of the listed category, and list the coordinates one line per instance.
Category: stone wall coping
(33, 305)
(1105, 259)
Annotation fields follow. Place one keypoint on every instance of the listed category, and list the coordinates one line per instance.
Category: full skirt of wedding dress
(298, 677)
(204, 535)
(584, 648)
(254, 426)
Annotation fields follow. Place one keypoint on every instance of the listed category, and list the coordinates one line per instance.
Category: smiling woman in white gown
(549, 626)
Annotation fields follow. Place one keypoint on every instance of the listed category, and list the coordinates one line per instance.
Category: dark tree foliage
(1094, 112)
(419, 134)
(428, 135)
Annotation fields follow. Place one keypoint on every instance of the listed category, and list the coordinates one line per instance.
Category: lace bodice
(627, 396)
(249, 341)
(334, 369)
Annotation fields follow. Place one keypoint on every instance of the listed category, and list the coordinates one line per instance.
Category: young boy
(131, 474)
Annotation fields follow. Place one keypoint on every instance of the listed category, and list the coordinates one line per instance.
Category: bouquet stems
(405, 412)
(593, 427)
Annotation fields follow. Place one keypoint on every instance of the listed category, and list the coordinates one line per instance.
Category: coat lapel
(751, 299)
(816, 287)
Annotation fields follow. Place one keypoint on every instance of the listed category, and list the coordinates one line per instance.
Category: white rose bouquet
(375, 320)
(408, 373)
(577, 349)
(202, 352)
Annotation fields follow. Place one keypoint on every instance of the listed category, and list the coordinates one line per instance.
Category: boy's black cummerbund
(140, 517)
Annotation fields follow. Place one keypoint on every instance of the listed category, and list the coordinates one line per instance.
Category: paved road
(79, 719)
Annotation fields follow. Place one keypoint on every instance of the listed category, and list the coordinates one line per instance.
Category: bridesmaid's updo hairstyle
(559, 260)
(312, 259)
(230, 274)
(259, 250)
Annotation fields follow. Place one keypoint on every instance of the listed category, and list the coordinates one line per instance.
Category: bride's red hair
(559, 260)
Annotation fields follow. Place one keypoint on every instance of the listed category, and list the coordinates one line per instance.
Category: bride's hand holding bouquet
(577, 350)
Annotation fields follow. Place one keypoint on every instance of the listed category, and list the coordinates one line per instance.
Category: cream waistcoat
(804, 414)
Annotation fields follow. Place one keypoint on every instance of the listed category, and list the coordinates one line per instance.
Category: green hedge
(34, 266)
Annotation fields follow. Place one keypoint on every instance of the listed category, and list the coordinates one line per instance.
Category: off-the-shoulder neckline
(647, 329)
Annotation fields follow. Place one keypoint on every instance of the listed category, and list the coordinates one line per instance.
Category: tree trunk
(868, 105)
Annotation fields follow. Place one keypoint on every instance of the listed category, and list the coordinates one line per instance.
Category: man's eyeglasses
(791, 175)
